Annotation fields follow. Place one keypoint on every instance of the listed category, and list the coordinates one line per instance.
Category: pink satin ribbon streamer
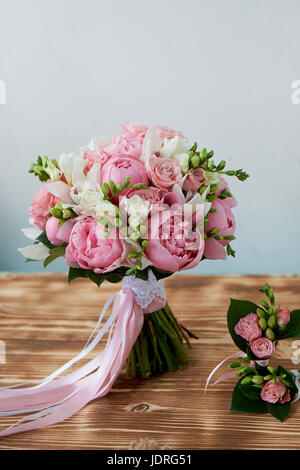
(50, 401)
(228, 375)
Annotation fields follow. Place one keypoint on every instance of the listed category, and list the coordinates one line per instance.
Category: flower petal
(36, 252)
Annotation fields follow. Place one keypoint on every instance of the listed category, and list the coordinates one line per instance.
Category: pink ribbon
(51, 402)
(228, 375)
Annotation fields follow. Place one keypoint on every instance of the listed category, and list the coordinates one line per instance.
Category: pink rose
(275, 393)
(152, 194)
(88, 249)
(224, 220)
(43, 201)
(194, 180)
(262, 347)
(164, 172)
(130, 144)
(248, 328)
(56, 233)
(118, 168)
(140, 129)
(172, 246)
(283, 316)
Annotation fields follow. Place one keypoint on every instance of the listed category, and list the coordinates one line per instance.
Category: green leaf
(279, 412)
(96, 278)
(251, 392)
(74, 273)
(290, 378)
(241, 404)
(44, 239)
(292, 329)
(55, 253)
(237, 310)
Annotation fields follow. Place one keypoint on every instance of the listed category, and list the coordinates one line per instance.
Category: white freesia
(174, 146)
(106, 209)
(66, 164)
(211, 177)
(86, 190)
(32, 232)
(52, 171)
(183, 160)
(138, 211)
(37, 251)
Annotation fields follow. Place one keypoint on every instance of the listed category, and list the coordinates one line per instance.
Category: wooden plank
(44, 322)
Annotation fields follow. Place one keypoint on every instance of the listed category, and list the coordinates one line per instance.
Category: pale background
(221, 71)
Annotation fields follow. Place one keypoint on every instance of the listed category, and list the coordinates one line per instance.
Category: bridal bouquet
(137, 209)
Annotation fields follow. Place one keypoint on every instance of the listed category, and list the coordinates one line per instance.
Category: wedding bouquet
(137, 209)
(256, 330)
(140, 207)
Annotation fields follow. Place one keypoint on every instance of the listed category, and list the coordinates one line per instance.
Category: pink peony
(275, 393)
(42, 202)
(140, 130)
(118, 168)
(164, 172)
(128, 144)
(171, 244)
(262, 347)
(88, 249)
(224, 220)
(283, 316)
(248, 328)
(56, 233)
(194, 180)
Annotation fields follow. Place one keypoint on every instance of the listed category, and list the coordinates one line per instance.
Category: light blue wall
(220, 71)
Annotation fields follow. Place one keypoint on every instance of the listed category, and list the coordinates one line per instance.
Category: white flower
(211, 177)
(151, 145)
(183, 160)
(176, 145)
(195, 200)
(37, 251)
(86, 190)
(106, 209)
(138, 210)
(52, 170)
(98, 143)
(66, 164)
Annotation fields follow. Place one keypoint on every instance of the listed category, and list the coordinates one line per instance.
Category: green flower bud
(272, 322)
(233, 365)
(195, 161)
(145, 243)
(139, 265)
(105, 189)
(260, 313)
(105, 234)
(103, 221)
(257, 379)
(268, 377)
(271, 369)
(119, 188)
(239, 373)
(118, 222)
(246, 380)
(56, 212)
(263, 323)
(143, 229)
(264, 303)
(66, 213)
(204, 153)
(126, 181)
(112, 186)
(133, 255)
(270, 334)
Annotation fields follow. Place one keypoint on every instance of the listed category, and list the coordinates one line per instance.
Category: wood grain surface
(45, 322)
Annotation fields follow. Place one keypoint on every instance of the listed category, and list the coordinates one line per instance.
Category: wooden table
(45, 322)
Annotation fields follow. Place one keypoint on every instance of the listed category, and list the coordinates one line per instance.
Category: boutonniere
(256, 331)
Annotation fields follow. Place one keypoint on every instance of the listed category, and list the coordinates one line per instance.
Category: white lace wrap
(145, 291)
